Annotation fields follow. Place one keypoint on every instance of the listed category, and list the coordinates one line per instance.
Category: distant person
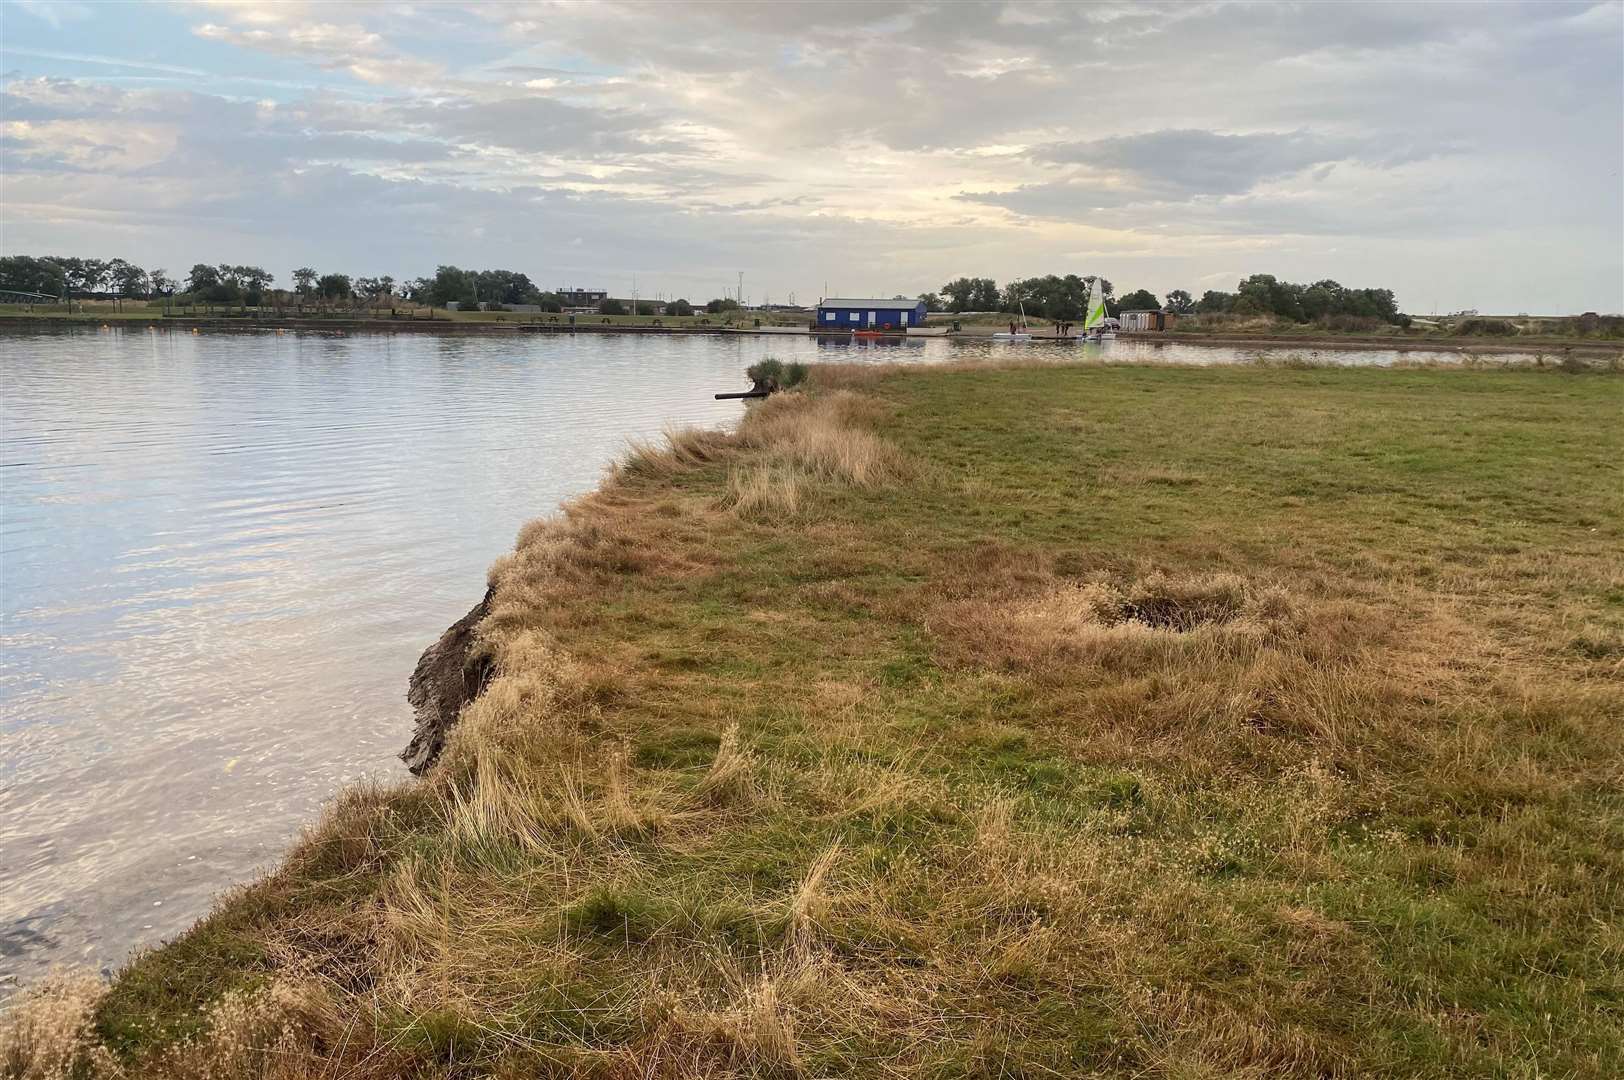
(1012, 328)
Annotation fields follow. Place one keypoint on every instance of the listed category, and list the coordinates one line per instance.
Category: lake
(221, 554)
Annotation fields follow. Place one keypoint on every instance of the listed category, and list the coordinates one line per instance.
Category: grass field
(1027, 722)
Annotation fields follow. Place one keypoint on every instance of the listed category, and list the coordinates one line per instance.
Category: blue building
(870, 314)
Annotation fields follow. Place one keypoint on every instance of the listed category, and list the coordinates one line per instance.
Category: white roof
(910, 304)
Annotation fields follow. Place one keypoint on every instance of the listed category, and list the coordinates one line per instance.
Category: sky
(1466, 156)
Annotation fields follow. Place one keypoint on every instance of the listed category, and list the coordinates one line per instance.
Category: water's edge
(451, 673)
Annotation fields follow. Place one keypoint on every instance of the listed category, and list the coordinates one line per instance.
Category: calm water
(221, 554)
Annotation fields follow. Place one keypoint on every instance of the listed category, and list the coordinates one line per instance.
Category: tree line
(68, 277)
(1048, 297)
(64, 275)
(1063, 298)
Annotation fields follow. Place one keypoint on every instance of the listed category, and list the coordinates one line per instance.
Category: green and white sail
(1094, 314)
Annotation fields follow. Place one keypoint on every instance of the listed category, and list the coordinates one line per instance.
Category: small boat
(1096, 326)
(1023, 334)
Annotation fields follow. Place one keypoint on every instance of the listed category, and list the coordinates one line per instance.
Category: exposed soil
(449, 675)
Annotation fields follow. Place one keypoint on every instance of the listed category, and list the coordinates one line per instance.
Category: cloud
(350, 48)
(885, 146)
(1190, 162)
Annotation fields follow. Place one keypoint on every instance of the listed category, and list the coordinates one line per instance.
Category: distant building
(1145, 321)
(858, 314)
(581, 298)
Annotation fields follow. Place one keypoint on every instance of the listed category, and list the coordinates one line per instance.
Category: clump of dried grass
(266, 1034)
(765, 492)
(730, 780)
(45, 1033)
(683, 448)
(829, 436)
(809, 901)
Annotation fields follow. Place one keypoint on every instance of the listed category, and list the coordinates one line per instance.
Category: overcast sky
(1465, 156)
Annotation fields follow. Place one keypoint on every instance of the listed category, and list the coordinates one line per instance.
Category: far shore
(1531, 344)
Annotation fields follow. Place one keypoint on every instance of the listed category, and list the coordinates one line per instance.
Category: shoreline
(1463, 345)
(714, 709)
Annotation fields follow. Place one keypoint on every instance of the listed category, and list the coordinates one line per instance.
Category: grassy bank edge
(827, 461)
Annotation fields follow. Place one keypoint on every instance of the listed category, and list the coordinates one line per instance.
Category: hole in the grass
(1183, 604)
(1162, 602)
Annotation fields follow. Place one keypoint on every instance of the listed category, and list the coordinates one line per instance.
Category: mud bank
(449, 675)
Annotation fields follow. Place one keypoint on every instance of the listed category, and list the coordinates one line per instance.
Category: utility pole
(741, 289)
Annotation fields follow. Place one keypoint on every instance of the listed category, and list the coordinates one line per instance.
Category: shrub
(765, 369)
(1480, 327)
(784, 375)
(1361, 324)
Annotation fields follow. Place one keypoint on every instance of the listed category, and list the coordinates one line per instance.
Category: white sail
(1094, 314)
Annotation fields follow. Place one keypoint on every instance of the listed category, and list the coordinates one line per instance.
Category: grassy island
(1036, 721)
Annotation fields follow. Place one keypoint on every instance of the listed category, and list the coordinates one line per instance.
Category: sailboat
(1023, 334)
(1095, 328)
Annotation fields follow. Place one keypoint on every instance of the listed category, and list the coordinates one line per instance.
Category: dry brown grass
(45, 1034)
(765, 492)
(827, 436)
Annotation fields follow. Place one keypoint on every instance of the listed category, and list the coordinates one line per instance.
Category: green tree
(85, 275)
(932, 301)
(1140, 300)
(126, 278)
(958, 293)
(679, 308)
(334, 287)
(611, 306)
(983, 294)
(251, 281)
(1264, 294)
(304, 280)
(717, 307)
(450, 284)
(504, 286)
(1180, 302)
(26, 273)
(202, 278)
(1214, 301)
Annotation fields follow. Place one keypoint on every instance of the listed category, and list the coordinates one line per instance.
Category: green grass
(1077, 720)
